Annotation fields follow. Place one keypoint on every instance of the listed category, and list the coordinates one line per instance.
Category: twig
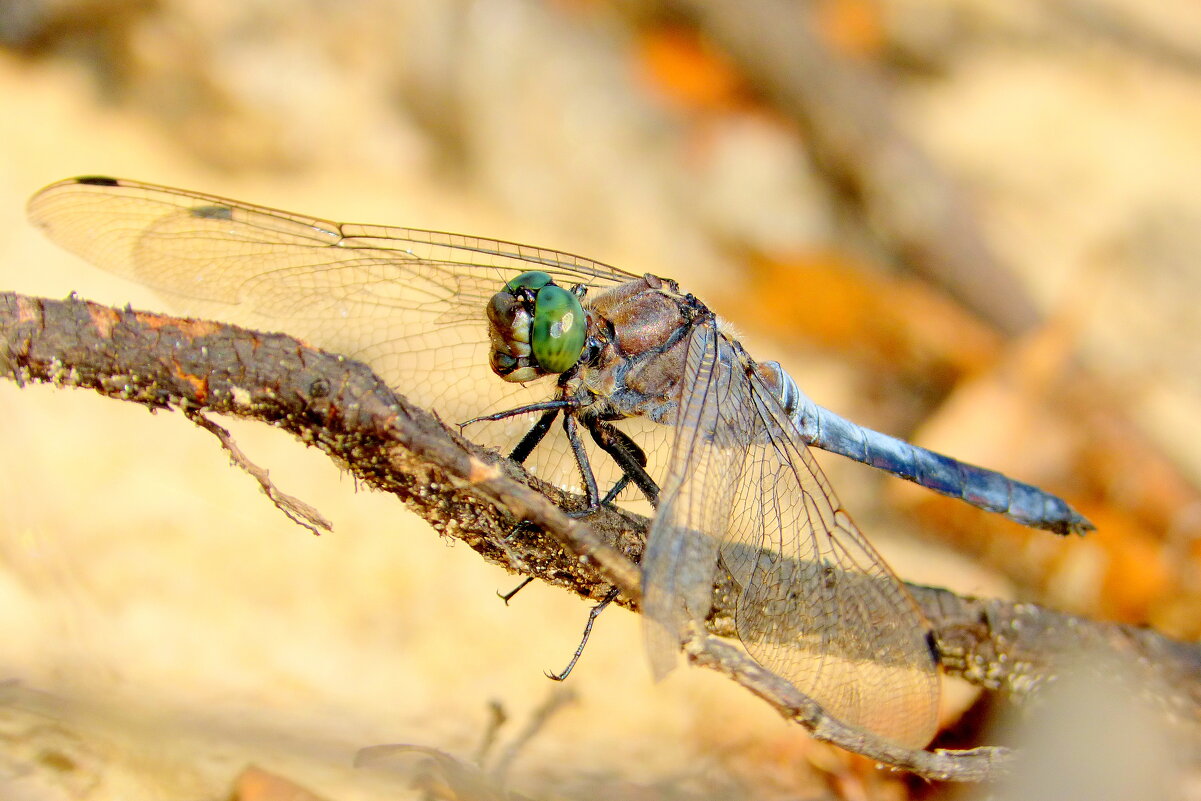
(976, 764)
(469, 493)
(497, 717)
(558, 698)
(295, 509)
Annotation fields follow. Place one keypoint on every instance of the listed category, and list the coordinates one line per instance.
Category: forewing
(818, 606)
(411, 303)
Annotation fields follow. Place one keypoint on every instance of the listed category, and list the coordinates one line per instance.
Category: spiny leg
(526, 446)
(628, 460)
(508, 596)
(535, 435)
(530, 440)
(632, 461)
(579, 651)
(624, 451)
(629, 457)
(527, 409)
(571, 429)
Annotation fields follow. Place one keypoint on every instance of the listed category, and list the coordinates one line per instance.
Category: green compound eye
(559, 327)
(532, 280)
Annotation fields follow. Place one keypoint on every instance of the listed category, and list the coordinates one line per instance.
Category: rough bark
(476, 496)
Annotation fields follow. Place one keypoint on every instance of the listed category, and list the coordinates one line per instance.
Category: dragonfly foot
(508, 596)
(579, 651)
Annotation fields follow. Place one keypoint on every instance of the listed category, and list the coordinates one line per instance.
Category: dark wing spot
(213, 212)
(97, 180)
(932, 644)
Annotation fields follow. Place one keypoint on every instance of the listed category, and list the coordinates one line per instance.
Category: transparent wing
(818, 606)
(411, 303)
(702, 480)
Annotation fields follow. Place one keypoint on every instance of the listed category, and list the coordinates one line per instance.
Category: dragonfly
(594, 377)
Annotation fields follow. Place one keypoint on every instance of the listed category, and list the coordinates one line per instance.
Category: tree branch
(474, 495)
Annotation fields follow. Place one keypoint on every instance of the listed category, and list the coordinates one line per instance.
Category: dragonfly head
(536, 327)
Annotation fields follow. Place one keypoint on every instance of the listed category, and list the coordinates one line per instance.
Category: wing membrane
(695, 500)
(409, 302)
(817, 605)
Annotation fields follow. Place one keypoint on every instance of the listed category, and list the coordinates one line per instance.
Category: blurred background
(971, 224)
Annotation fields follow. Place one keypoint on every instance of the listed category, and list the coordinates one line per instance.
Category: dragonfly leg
(629, 457)
(521, 527)
(508, 596)
(579, 651)
(533, 407)
(571, 429)
(532, 437)
(615, 490)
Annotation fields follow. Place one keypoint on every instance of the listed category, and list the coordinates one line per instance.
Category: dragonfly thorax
(536, 328)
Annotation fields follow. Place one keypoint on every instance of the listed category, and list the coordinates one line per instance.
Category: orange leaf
(681, 66)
